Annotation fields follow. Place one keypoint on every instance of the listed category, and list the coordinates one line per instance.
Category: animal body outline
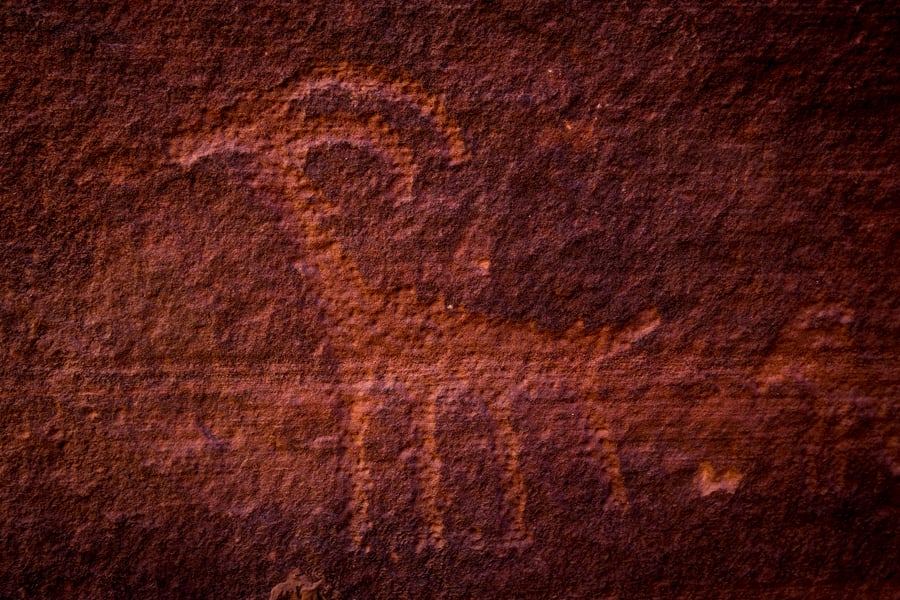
(457, 348)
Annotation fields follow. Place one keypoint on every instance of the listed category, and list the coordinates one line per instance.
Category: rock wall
(449, 299)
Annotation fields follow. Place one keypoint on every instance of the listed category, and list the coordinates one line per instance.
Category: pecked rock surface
(449, 299)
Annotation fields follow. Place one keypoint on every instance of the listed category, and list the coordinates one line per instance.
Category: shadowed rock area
(449, 299)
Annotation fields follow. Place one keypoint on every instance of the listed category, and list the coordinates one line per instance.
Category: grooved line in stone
(398, 90)
(516, 495)
(430, 466)
(602, 446)
(361, 479)
(370, 330)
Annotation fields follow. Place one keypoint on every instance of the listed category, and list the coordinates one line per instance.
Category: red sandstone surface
(449, 299)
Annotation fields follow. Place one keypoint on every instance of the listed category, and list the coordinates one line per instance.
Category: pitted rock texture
(449, 300)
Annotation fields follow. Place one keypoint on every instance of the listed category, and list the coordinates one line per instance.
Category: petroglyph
(297, 587)
(430, 467)
(368, 81)
(814, 347)
(508, 448)
(602, 448)
(815, 353)
(708, 481)
(361, 475)
(443, 351)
